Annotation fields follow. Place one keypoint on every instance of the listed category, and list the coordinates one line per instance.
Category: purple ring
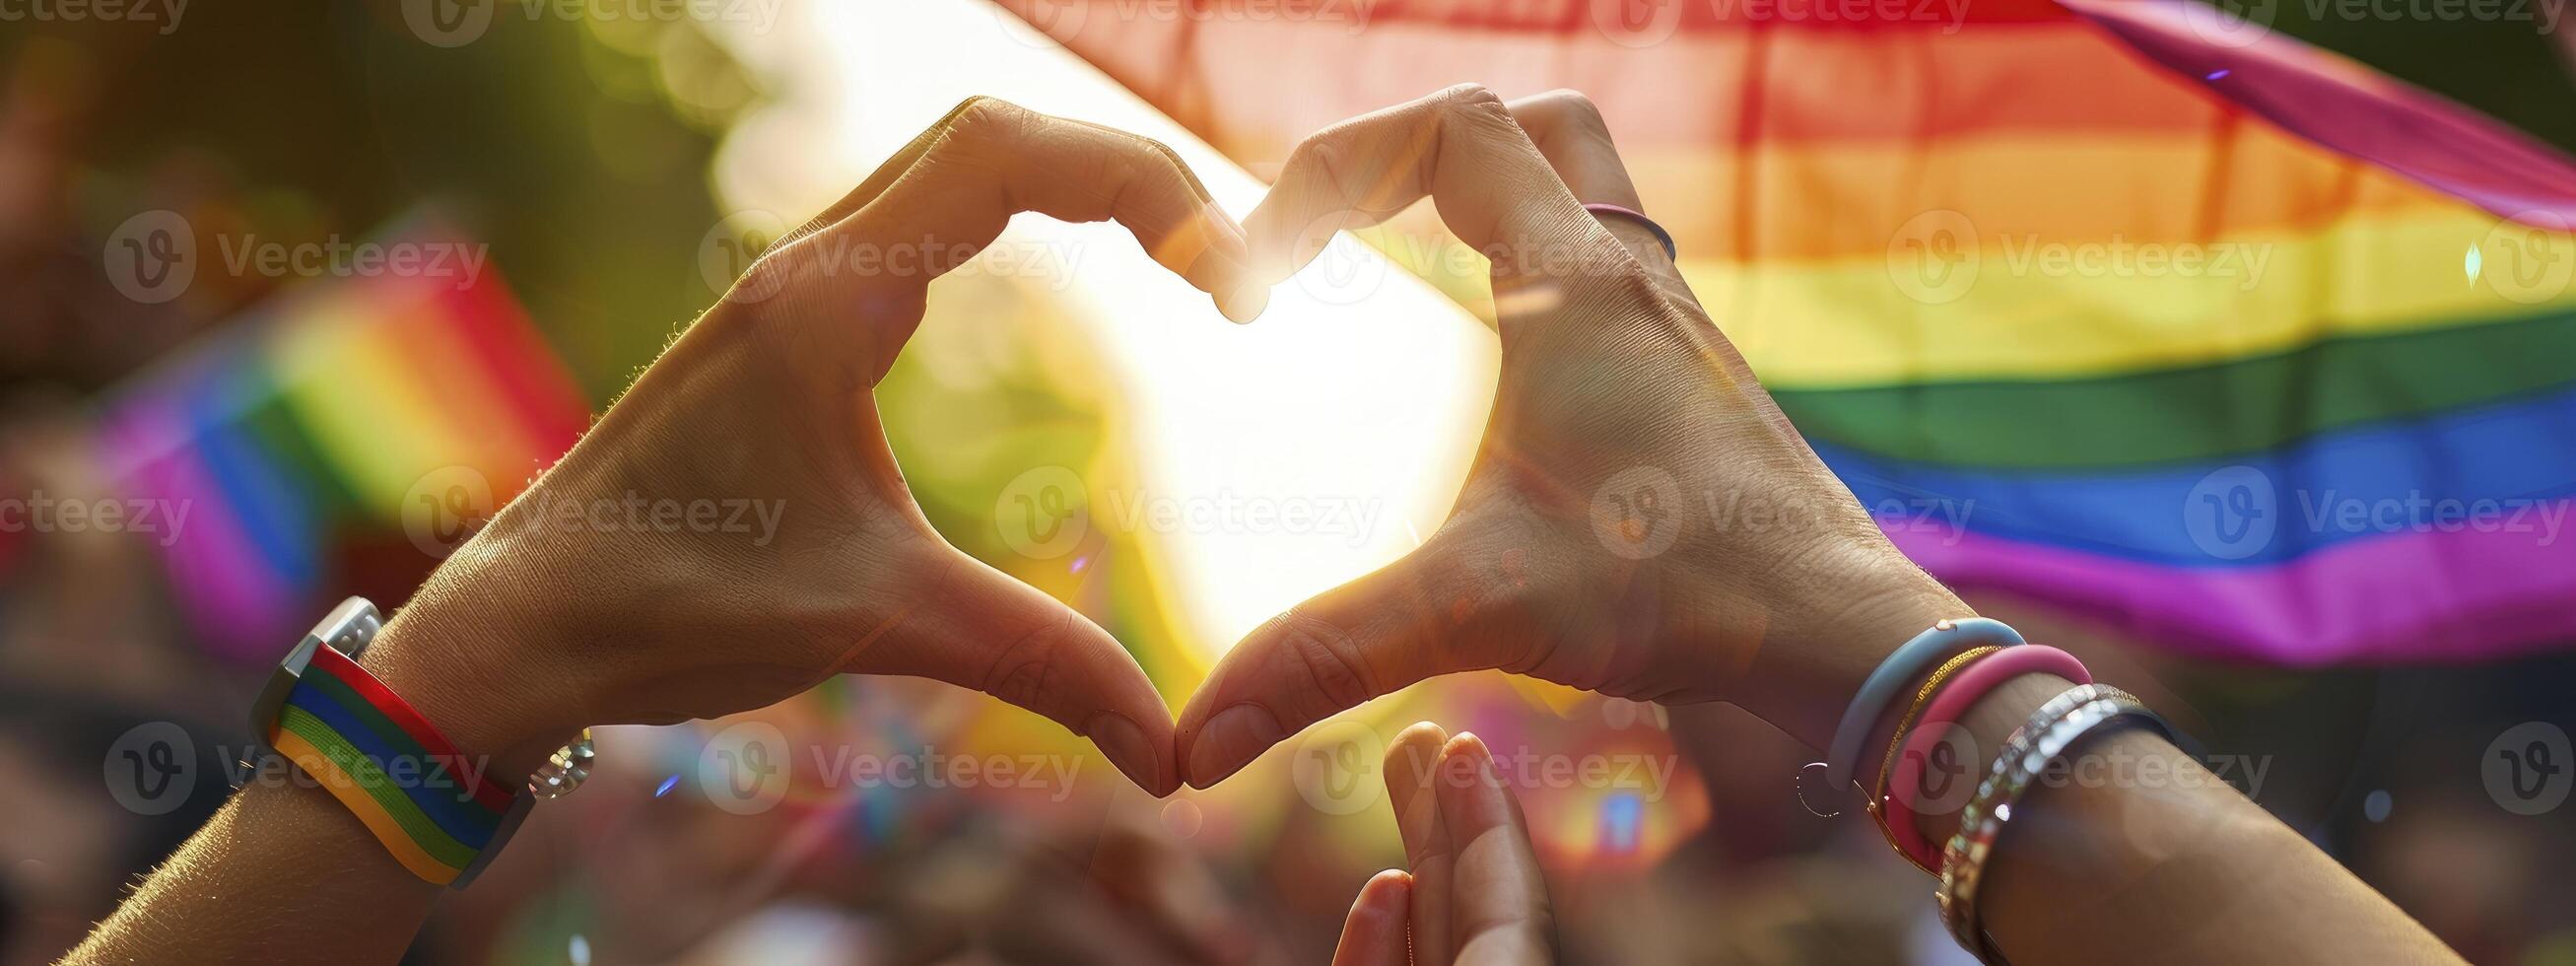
(1601, 209)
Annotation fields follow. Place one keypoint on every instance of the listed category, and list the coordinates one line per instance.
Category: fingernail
(1466, 743)
(1125, 745)
(1235, 736)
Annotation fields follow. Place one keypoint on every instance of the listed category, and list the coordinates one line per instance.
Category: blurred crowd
(567, 151)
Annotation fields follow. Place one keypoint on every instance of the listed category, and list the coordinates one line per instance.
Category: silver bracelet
(2055, 727)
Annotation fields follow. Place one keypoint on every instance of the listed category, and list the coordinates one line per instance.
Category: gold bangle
(1887, 765)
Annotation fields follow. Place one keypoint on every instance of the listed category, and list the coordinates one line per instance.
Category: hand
(1641, 520)
(1475, 894)
(549, 620)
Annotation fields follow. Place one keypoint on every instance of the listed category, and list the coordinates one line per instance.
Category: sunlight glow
(1359, 395)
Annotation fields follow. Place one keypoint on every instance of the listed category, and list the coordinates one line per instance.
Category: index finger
(1498, 908)
(989, 160)
(1460, 147)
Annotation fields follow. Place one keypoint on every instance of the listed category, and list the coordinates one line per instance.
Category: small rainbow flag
(332, 406)
(2134, 307)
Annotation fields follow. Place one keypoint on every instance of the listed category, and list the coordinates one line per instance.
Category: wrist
(1987, 725)
(1807, 672)
(475, 672)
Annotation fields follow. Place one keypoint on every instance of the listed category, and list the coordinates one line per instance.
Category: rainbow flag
(2131, 307)
(346, 403)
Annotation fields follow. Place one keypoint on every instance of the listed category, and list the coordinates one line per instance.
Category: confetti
(2216, 74)
(666, 786)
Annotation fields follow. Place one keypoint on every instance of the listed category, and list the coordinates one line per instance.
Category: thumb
(1447, 607)
(976, 627)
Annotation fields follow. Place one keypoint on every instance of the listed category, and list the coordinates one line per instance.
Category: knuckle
(1025, 673)
(1330, 661)
(1468, 95)
(1566, 106)
(980, 118)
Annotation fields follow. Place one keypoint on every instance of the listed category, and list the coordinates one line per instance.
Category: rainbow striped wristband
(429, 804)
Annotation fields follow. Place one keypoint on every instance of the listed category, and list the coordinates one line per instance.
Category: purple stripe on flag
(237, 603)
(2416, 596)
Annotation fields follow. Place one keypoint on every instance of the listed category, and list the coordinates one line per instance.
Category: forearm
(2149, 857)
(285, 873)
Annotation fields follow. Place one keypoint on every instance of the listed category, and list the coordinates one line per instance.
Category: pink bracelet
(1904, 785)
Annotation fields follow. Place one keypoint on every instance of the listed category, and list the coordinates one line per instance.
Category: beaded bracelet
(2057, 726)
(1887, 765)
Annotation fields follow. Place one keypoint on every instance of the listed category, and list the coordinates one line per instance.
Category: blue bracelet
(1906, 663)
